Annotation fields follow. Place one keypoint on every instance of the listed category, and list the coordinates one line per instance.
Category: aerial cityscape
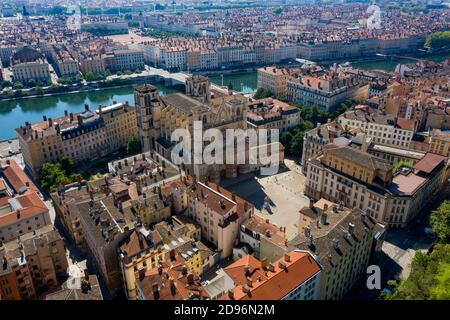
(224, 150)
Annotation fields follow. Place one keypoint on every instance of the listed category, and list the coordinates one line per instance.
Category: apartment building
(90, 290)
(438, 118)
(128, 60)
(264, 238)
(342, 239)
(274, 80)
(209, 60)
(171, 280)
(32, 264)
(6, 52)
(105, 224)
(360, 180)
(37, 71)
(440, 142)
(321, 135)
(94, 64)
(22, 209)
(382, 128)
(145, 249)
(174, 58)
(217, 211)
(120, 123)
(64, 62)
(82, 137)
(271, 113)
(295, 276)
(327, 91)
(29, 64)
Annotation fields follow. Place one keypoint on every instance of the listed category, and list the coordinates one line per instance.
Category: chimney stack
(287, 257)
(66, 113)
(80, 120)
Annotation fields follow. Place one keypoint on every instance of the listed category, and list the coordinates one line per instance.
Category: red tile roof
(429, 162)
(272, 285)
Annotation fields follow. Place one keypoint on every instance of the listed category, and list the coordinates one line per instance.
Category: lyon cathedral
(158, 117)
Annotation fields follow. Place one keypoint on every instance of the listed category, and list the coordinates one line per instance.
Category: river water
(15, 113)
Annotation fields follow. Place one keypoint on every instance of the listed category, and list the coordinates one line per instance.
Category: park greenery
(400, 164)
(311, 115)
(161, 34)
(52, 175)
(262, 93)
(438, 41)
(430, 272)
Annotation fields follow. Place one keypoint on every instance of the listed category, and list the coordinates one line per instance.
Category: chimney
(190, 278)
(86, 107)
(231, 294)
(271, 267)
(155, 290)
(323, 219)
(287, 257)
(71, 117)
(66, 113)
(246, 270)
(264, 263)
(249, 282)
(44, 118)
(80, 120)
(50, 122)
(18, 214)
(282, 265)
(184, 270)
(351, 228)
(335, 244)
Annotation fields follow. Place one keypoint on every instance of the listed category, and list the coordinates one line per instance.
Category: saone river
(15, 113)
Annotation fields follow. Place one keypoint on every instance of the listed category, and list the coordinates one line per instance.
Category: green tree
(262, 93)
(438, 40)
(429, 278)
(296, 146)
(402, 163)
(6, 84)
(66, 164)
(89, 76)
(39, 90)
(79, 78)
(134, 145)
(278, 11)
(18, 85)
(440, 222)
